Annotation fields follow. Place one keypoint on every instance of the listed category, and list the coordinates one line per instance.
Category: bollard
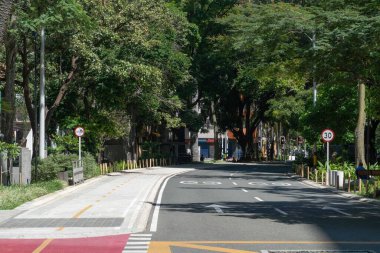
(360, 185)
(337, 182)
(322, 178)
(349, 183)
(308, 172)
(302, 171)
(135, 164)
(316, 176)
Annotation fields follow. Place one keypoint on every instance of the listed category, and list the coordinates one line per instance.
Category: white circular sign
(79, 131)
(328, 135)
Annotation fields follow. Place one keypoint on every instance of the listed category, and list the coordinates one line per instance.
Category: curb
(334, 190)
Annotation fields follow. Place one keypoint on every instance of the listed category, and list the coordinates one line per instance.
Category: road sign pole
(80, 150)
(328, 164)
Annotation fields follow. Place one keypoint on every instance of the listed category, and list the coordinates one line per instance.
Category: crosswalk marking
(138, 243)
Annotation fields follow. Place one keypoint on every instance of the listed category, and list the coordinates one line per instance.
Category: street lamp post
(42, 97)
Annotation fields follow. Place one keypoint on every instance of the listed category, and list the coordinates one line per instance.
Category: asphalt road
(259, 208)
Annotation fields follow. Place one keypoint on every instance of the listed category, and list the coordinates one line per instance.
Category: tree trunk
(132, 137)
(9, 90)
(5, 11)
(194, 146)
(360, 127)
(216, 131)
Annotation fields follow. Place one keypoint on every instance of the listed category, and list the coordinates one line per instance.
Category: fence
(337, 179)
(134, 164)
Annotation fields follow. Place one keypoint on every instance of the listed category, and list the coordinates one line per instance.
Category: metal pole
(328, 164)
(80, 148)
(314, 40)
(42, 96)
(35, 135)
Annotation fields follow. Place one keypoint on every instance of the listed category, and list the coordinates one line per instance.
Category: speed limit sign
(328, 135)
(79, 131)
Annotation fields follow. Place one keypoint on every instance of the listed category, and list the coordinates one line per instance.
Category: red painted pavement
(19, 245)
(104, 244)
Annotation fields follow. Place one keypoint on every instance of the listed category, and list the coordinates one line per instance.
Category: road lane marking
(259, 199)
(280, 211)
(336, 210)
(136, 247)
(230, 178)
(141, 235)
(244, 190)
(153, 225)
(139, 238)
(234, 183)
(139, 207)
(43, 245)
(82, 211)
(164, 247)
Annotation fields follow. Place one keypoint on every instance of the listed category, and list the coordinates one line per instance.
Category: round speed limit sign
(79, 131)
(328, 135)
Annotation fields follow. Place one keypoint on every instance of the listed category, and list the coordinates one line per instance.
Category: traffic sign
(79, 131)
(328, 135)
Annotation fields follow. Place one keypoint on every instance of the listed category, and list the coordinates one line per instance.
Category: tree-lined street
(260, 207)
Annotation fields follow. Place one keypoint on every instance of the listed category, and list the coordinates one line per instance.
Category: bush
(50, 166)
(90, 166)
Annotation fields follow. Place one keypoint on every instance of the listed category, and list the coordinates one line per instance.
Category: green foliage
(151, 149)
(65, 144)
(11, 151)
(15, 195)
(50, 166)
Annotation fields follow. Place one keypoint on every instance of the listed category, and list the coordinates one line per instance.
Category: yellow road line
(211, 248)
(165, 247)
(60, 228)
(82, 211)
(43, 245)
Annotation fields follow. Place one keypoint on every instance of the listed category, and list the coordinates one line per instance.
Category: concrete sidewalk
(117, 203)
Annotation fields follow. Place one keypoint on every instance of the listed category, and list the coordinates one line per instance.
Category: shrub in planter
(50, 166)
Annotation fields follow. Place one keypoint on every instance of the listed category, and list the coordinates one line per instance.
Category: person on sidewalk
(360, 168)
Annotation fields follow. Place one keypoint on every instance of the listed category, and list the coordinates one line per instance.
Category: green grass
(13, 196)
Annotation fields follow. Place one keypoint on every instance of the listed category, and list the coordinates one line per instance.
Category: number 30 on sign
(328, 135)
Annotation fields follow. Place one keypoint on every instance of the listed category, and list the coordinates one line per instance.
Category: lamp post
(42, 97)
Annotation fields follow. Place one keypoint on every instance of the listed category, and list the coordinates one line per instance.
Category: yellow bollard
(308, 172)
(302, 171)
(123, 164)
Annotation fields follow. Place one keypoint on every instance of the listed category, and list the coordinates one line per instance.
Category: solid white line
(134, 251)
(138, 243)
(280, 211)
(136, 247)
(258, 199)
(234, 183)
(137, 210)
(244, 190)
(153, 225)
(139, 239)
(140, 235)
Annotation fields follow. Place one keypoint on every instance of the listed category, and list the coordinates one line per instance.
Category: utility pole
(42, 96)
(314, 41)
(35, 135)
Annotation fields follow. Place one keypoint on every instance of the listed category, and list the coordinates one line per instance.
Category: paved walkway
(119, 203)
